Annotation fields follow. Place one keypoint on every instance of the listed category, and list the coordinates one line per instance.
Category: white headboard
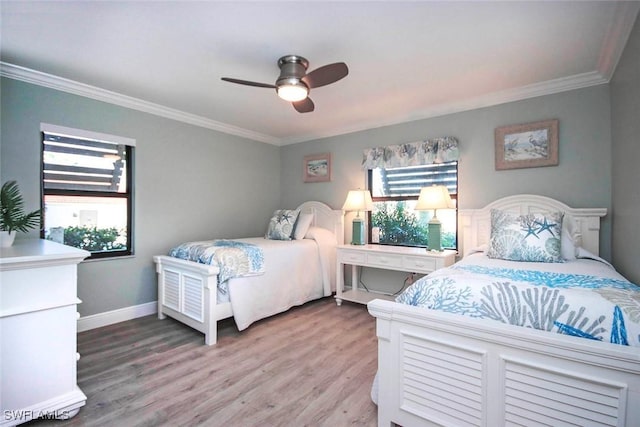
(474, 225)
(325, 217)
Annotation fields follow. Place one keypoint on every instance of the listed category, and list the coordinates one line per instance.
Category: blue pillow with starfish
(534, 237)
(282, 224)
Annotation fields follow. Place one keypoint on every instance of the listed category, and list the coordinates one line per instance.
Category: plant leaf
(12, 215)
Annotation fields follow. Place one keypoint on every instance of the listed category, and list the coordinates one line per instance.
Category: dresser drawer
(418, 264)
(384, 260)
(351, 257)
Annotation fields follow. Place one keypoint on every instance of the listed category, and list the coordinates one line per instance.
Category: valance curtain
(434, 150)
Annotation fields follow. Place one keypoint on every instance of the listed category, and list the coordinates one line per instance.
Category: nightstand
(399, 258)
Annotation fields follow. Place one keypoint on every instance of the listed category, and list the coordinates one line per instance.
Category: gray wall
(625, 124)
(190, 183)
(582, 178)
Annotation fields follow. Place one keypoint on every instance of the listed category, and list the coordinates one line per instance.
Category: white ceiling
(407, 60)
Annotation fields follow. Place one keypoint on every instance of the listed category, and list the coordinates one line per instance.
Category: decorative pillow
(533, 237)
(302, 225)
(281, 224)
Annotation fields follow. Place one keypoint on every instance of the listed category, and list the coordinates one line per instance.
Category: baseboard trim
(99, 320)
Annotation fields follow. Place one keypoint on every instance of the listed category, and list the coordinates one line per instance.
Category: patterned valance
(434, 150)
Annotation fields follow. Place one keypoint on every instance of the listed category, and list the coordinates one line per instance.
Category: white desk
(399, 258)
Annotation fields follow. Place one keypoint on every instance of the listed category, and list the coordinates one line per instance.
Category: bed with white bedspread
(494, 342)
(251, 278)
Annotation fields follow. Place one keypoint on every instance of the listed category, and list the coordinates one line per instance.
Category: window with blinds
(395, 192)
(87, 190)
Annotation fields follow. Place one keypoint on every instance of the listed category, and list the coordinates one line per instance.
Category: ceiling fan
(294, 83)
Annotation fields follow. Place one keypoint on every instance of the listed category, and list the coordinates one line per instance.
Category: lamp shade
(434, 197)
(358, 200)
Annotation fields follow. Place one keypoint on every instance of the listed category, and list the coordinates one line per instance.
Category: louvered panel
(554, 398)
(443, 380)
(451, 410)
(459, 381)
(445, 391)
(466, 368)
(171, 289)
(193, 298)
(603, 404)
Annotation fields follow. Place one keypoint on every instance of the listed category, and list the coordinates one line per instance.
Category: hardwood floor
(310, 366)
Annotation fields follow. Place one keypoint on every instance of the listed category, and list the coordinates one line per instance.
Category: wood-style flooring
(310, 366)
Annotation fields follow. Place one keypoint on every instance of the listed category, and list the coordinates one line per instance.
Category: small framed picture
(528, 145)
(317, 168)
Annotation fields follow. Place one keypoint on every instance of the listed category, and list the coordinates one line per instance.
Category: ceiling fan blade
(248, 83)
(304, 106)
(326, 74)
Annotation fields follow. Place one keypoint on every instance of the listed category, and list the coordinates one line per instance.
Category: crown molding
(549, 87)
(70, 86)
(616, 38)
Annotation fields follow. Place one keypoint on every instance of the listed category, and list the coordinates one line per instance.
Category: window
(395, 192)
(87, 190)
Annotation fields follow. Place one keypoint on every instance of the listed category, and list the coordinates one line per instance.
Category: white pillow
(582, 253)
(319, 233)
(302, 225)
(567, 245)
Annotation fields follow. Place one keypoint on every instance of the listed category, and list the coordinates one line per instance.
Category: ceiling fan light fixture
(294, 83)
(292, 90)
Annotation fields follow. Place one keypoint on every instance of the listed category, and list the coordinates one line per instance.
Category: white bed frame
(438, 368)
(187, 291)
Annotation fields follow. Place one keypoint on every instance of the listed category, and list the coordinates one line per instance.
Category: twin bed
(295, 271)
(495, 348)
(492, 347)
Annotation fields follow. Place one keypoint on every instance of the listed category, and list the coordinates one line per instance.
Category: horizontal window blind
(82, 164)
(407, 181)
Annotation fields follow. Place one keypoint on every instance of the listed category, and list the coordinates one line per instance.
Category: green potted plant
(12, 215)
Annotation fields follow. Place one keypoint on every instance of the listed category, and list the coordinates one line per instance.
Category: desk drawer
(418, 264)
(384, 260)
(351, 257)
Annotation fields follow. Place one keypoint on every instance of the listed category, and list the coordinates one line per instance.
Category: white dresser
(38, 327)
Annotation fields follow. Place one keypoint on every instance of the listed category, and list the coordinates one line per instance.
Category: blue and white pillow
(533, 237)
(281, 224)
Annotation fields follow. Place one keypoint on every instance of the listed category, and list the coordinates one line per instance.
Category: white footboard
(187, 292)
(443, 369)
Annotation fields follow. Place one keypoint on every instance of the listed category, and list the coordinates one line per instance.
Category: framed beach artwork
(317, 168)
(528, 145)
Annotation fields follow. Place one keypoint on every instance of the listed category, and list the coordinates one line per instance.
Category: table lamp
(434, 197)
(358, 200)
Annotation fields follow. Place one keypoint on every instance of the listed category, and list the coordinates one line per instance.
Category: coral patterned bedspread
(584, 298)
(234, 258)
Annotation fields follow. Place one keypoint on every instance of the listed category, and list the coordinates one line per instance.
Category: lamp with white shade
(434, 197)
(358, 200)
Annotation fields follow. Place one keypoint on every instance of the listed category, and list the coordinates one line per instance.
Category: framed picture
(529, 145)
(317, 168)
